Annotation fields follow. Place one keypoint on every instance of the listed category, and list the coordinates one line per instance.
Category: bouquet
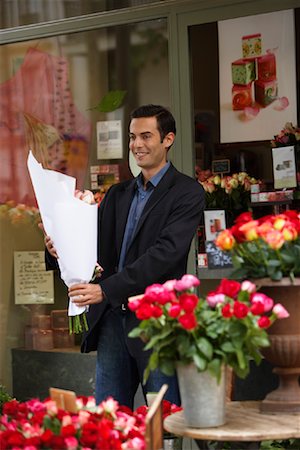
(70, 218)
(266, 247)
(41, 425)
(289, 135)
(231, 192)
(227, 327)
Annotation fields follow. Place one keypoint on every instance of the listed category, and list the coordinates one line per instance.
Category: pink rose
(248, 286)
(280, 311)
(213, 299)
(264, 299)
(158, 293)
(186, 282)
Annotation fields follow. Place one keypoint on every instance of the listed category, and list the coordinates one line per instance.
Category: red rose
(11, 408)
(229, 287)
(264, 322)
(174, 310)
(188, 321)
(144, 312)
(68, 430)
(257, 308)
(156, 311)
(15, 439)
(188, 302)
(227, 311)
(46, 437)
(89, 434)
(240, 310)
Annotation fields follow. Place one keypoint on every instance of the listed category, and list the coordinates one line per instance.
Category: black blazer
(159, 248)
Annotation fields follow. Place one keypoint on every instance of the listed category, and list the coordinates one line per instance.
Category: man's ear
(169, 139)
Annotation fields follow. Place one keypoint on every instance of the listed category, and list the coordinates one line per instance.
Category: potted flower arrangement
(227, 328)
(268, 250)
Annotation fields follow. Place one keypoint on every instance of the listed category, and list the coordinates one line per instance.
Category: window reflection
(14, 13)
(49, 90)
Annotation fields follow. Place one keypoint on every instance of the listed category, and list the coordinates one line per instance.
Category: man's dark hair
(165, 120)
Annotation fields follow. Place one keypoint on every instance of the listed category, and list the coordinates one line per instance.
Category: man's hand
(48, 242)
(84, 294)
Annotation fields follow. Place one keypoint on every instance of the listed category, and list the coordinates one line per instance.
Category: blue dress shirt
(138, 203)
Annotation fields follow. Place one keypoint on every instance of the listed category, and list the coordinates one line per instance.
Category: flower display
(19, 213)
(228, 326)
(266, 247)
(231, 192)
(36, 424)
(289, 135)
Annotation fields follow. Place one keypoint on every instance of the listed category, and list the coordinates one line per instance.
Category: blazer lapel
(124, 199)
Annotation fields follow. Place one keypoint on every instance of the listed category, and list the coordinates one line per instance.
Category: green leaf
(111, 101)
(136, 332)
(199, 362)
(205, 347)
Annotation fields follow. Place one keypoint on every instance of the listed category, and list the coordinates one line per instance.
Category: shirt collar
(156, 178)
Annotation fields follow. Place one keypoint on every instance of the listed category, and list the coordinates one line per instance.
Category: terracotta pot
(284, 352)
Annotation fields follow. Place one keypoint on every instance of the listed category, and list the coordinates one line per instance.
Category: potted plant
(268, 250)
(199, 337)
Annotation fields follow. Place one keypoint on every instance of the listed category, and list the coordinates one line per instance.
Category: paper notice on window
(33, 284)
(284, 167)
(109, 139)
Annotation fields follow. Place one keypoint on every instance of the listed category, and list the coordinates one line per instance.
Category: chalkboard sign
(220, 166)
(216, 259)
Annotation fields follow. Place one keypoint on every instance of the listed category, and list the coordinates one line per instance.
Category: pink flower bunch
(228, 326)
(34, 425)
(289, 135)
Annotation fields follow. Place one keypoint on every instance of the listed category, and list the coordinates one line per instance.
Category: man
(146, 226)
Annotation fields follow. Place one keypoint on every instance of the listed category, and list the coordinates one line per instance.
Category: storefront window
(51, 92)
(14, 13)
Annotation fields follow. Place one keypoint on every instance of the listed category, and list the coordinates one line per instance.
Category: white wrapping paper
(71, 223)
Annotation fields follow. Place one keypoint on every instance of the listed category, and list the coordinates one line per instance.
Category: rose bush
(227, 327)
(266, 247)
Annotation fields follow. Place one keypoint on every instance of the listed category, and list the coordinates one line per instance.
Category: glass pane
(50, 91)
(14, 13)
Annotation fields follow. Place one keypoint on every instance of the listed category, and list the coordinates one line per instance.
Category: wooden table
(244, 423)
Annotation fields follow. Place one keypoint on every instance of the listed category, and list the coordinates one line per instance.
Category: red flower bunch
(36, 425)
(266, 247)
(227, 327)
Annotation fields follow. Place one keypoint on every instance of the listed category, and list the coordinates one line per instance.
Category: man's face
(146, 146)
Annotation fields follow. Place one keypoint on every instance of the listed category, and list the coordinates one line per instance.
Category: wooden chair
(154, 422)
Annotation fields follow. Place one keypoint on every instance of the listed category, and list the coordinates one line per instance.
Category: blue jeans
(121, 362)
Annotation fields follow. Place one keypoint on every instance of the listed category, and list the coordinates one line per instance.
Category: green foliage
(111, 101)
(4, 397)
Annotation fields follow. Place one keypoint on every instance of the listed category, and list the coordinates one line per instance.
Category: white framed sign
(214, 222)
(284, 167)
(109, 139)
